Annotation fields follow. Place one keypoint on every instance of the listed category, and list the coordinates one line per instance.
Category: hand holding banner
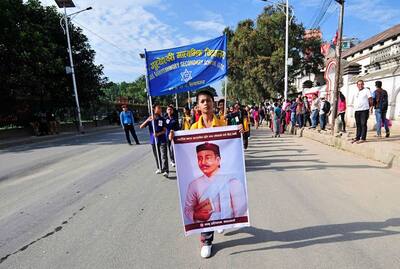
(211, 179)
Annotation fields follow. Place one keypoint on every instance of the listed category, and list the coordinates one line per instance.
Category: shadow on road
(309, 236)
(107, 137)
(266, 153)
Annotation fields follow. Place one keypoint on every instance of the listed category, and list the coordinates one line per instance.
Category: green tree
(256, 55)
(33, 56)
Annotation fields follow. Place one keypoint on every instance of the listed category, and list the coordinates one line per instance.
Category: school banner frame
(186, 68)
(211, 177)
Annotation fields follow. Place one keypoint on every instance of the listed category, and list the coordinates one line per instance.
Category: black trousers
(207, 238)
(129, 128)
(162, 156)
(246, 139)
(361, 123)
(171, 151)
(342, 117)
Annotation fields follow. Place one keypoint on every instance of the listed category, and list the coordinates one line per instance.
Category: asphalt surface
(94, 202)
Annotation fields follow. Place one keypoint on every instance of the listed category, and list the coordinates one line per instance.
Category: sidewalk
(385, 150)
(9, 142)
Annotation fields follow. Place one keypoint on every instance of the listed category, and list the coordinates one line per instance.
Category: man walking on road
(381, 105)
(127, 121)
(362, 107)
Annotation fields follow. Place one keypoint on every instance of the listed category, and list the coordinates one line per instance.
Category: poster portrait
(211, 179)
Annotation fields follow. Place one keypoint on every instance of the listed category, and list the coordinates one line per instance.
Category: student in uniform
(207, 119)
(240, 117)
(160, 135)
(172, 124)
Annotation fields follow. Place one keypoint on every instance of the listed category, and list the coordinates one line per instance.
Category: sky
(119, 30)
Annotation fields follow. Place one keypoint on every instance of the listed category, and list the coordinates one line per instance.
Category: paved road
(95, 202)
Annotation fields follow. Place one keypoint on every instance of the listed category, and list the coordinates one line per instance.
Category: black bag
(327, 107)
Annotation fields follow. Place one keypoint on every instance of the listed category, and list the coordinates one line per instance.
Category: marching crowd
(282, 116)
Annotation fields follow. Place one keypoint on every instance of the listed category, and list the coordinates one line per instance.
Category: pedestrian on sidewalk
(342, 110)
(262, 115)
(300, 111)
(325, 109)
(362, 106)
(381, 103)
(256, 117)
(307, 114)
(277, 119)
(171, 124)
(314, 110)
(288, 113)
(158, 134)
(293, 108)
(127, 121)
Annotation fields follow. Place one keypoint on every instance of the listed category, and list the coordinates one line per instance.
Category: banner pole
(226, 94)
(189, 100)
(152, 114)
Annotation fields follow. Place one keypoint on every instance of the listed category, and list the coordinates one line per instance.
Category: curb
(384, 153)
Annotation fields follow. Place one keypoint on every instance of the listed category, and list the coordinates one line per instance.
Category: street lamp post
(286, 45)
(69, 4)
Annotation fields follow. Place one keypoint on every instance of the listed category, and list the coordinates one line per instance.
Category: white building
(377, 58)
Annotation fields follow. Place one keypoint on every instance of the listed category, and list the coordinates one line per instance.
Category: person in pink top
(342, 110)
(256, 116)
(214, 195)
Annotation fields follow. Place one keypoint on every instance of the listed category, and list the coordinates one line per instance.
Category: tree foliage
(33, 57)
(136, 94)
(256, 55)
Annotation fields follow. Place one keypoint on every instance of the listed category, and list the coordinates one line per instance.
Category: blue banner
(186, 68)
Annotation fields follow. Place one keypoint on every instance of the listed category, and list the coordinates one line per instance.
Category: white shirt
(361, 101)
(198, 186)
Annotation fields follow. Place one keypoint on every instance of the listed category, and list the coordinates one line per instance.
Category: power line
(316, 14)
(320, 15)
(329, 16)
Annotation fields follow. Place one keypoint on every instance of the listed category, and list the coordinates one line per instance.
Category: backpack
(384, 102)
(327, 107)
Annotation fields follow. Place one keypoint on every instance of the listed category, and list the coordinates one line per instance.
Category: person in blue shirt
(172, 124)
(277, 119)
(160, 135)
(127, 121)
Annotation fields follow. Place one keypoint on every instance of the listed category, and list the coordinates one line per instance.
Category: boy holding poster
(214, 196)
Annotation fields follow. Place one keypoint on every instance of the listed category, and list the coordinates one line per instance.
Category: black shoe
(387, 135)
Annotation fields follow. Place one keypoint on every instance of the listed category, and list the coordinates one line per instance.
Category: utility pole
(338, 66)
(286, 50)
(288, 20)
